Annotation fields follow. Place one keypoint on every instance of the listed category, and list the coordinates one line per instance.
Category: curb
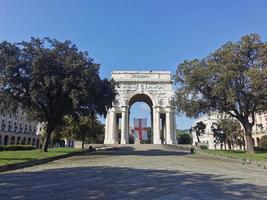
(261, 164)
(11, 167)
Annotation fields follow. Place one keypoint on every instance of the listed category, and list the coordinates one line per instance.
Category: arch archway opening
(23, 142)
(29, 141)
(12, 140)
(18, 140)
(33, 141)
(140, 115)
(140, 123)
(6, 140)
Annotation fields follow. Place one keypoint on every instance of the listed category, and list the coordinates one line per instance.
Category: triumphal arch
(155, 89)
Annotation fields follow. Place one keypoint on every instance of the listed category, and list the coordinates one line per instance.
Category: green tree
(185, 138)
(86, 129)
(263, 141)
(199, 129)
(233, 80)
(50, 79)
(227, 131)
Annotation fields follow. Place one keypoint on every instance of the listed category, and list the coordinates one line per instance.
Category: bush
(263, 142)
(203, 147)
(260, 149)
(192, 150)
(185, 139)
(144, 142)
(16, 147)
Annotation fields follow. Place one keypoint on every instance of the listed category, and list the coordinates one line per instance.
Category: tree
(233, 80)
(199, 128)
(185, 138)
(227, 131)
(263, 142)
(51, 79)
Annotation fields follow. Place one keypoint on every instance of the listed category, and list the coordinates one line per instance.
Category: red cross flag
(140, 128)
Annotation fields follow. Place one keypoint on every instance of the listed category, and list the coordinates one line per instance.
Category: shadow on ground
(122, 151)
(123, 183)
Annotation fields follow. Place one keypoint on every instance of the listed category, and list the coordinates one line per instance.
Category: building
(17, 129)
(260, 128)
(258, 131)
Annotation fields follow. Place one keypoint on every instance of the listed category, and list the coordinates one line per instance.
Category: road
(137, 172)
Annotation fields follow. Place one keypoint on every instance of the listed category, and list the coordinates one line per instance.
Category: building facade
(258, 131)
(15, 128)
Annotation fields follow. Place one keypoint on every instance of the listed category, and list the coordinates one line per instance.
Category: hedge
(260, 149)
(185, 138)
(203, 147)
(16, 147)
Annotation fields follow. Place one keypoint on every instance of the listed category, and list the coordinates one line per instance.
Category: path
(136, 172)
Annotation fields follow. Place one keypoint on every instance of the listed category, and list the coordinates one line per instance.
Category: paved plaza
(137, 172)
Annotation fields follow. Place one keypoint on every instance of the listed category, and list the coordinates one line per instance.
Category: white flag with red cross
(140, 128)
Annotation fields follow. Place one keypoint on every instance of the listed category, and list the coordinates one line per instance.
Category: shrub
(263, 142)
(192, 150)
(144, 142)
(203, 147)
(185, 139)
(260, 149)
(16, 147)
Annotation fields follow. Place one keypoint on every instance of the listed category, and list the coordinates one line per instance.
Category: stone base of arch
(154, 88)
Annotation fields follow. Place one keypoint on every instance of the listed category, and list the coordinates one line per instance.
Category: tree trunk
(248, 133)
(47, 138)
(83, 139)
(229, 145)
(198, 140)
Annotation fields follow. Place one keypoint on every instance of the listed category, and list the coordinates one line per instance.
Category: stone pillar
(169, 122)
(112, 127)
(164, 130)
(156, 125)
(152, 126)
(107, 130)
(174, 128)
(123, 127)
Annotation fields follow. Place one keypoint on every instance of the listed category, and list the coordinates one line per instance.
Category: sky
(136, 34)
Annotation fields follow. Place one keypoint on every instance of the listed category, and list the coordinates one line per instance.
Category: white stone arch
(132, 95)
(157, 86)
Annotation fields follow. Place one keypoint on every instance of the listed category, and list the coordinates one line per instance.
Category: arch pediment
(157, 85)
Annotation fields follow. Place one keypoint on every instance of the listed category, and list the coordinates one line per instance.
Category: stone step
(144, 147)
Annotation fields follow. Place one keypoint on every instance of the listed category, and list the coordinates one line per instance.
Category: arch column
(169, 134)
(106, 140)
(112, 127)
(156, 126)
(171, 126)
(124, 125)
(174, 128)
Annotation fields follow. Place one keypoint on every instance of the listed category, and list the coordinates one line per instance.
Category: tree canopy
(232, 79)
(51, 79)
(227, 131)
(199, 129)
(85, 129)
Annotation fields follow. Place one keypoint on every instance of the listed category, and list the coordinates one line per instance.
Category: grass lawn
(10, 157)
(258, 156)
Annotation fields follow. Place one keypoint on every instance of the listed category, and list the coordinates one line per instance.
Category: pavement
(137, 172)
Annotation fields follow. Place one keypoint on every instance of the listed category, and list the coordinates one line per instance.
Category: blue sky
(136, 34)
